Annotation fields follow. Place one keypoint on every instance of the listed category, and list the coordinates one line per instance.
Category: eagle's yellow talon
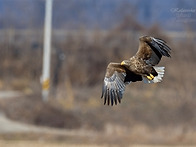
(151, 76)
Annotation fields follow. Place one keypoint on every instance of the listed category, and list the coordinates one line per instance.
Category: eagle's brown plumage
(140, 67)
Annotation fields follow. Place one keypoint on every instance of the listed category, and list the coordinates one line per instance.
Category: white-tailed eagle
(140, 67)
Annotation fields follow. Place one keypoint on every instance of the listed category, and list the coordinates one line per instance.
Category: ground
(41, 124)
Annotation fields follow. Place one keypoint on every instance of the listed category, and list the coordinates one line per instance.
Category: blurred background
(86, 36)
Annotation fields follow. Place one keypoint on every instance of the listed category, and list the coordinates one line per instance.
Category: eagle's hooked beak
(122, 63)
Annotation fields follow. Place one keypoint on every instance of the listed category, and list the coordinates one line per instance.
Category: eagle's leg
(151, 77)
(151, 73)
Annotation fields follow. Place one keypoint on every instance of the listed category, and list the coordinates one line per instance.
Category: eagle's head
(125, 63)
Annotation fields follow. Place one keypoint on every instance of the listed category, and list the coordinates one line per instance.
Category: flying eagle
(140, 67)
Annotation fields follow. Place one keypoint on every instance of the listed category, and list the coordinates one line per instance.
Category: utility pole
(45, 80)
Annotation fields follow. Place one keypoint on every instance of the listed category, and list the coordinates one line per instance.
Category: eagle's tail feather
(160, 71)
(158, 78)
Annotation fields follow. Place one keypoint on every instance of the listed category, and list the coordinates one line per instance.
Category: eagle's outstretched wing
(152, 49)
(113, 86)
(116, 78)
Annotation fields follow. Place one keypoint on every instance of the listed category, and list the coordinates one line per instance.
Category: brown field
(153, 114)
